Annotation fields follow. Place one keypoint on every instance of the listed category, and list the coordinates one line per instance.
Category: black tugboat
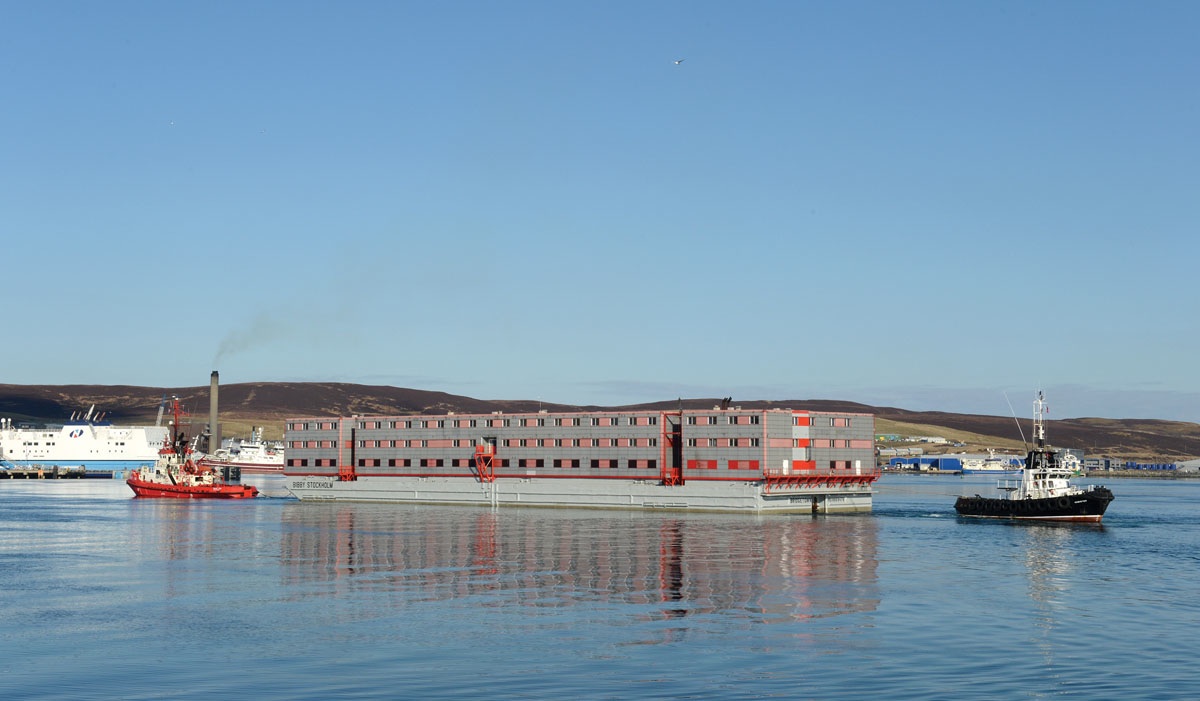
(1044, 492)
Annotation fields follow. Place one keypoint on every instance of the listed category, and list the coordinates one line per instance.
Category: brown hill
(268, 404)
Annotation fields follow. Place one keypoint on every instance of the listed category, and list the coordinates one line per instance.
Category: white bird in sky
(679, 61)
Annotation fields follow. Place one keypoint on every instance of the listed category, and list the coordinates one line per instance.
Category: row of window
(742, 442)
(497, 422)
(722, 443)
(568, 463)
(48, 444)
(736, 419)
(469, 463)
(494, 422)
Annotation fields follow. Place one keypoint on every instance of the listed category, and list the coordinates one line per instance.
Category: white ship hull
(740, 497)
(98, 447)
(1001, 471)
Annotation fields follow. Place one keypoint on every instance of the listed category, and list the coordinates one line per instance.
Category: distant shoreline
(1094, 474)
(1144, 474)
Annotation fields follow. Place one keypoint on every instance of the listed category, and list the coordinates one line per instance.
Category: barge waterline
(719, 460)
(729, 497)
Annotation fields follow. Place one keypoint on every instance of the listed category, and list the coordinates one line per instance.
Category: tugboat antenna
(1016, 421)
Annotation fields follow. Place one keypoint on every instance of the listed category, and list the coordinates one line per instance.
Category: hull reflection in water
(667, 565)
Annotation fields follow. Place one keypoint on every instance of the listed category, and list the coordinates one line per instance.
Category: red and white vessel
(175, 476)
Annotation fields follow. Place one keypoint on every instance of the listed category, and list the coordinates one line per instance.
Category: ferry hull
(737, 497)
(1088, 507)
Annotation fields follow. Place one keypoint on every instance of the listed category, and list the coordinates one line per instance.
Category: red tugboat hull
(157, 490)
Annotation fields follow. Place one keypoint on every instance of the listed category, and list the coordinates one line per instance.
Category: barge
(721, 459)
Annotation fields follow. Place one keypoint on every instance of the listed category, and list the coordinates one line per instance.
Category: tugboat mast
(1039, 422)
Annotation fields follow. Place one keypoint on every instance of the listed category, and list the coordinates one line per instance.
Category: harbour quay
(37, 472)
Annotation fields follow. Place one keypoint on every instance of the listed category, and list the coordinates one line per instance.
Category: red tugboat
(175, 476)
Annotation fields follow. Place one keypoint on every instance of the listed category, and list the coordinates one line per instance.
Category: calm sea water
(107, 597)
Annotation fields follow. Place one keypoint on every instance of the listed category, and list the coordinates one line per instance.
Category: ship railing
(784, 480)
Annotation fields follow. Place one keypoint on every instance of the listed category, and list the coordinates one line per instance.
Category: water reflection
(663, 566)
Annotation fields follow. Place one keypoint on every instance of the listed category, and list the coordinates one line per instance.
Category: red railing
(777, 480)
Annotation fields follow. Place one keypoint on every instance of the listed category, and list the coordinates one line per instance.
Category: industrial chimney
(214, 428)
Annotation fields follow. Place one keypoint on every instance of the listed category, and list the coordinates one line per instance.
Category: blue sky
(916, 204)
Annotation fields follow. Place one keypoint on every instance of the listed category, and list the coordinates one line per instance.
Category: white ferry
(87, 440)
